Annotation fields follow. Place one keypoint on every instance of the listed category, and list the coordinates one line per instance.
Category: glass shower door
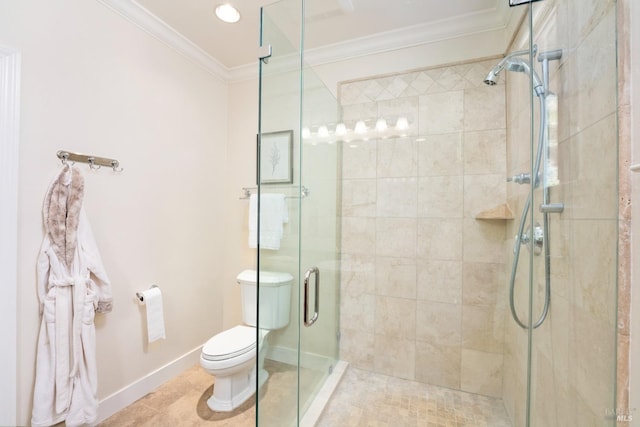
(297, 357)
(561, 341)
(573, 353)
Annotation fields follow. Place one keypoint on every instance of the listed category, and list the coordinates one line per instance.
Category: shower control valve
(535, 233)
(523, 178)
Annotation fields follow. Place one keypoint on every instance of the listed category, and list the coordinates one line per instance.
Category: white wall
(94, 83)
(243, 128)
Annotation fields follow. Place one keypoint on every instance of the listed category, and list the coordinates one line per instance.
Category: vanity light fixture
(227, 13)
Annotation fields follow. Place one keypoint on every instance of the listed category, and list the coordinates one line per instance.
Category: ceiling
(328, 22)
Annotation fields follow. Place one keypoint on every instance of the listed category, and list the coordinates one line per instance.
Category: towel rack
(93, 161)
(304, 192)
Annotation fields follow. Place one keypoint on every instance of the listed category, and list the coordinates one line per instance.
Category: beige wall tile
(396, 237)
(594, 167)
(395, 356)
(358, 235)
(485, 152)
(359, 197)
(441, 113)
(357, 347)
(440, 281)
(438, 323)
(358, 312)
(483, 284)
(484, 108)
(395, 317)
(396, 197)
(359, 160)
(396, 277)
(440, 239)
(483, 240)
(481, 372)
(482, 328)
(440, 197)
(482, 192)
(440, 155)
(595, 281)
(357, 275)
(438, 364)
(397, 157)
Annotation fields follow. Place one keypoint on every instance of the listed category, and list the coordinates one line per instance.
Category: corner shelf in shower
(502, 211)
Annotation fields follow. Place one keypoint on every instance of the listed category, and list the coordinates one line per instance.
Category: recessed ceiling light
(227, 13)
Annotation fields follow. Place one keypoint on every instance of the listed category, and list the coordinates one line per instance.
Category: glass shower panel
(573, 353)
(295, 102)
(279, 121)
(320, 227)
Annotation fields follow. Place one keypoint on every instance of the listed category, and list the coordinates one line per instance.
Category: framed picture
(276, 157)
(519, 2)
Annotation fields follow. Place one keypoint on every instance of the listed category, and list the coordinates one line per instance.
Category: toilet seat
(231, 343)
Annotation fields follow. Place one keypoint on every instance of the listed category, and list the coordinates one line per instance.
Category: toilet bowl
(233, 356)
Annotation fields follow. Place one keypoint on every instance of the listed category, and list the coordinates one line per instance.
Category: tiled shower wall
(422, 288)
(573, 352)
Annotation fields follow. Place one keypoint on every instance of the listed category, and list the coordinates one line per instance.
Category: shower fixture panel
(537, 237)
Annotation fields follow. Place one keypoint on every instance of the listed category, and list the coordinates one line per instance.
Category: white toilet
(231, 355)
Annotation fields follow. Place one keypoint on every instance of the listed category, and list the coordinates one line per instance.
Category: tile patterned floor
(367, 399)
(361, 399)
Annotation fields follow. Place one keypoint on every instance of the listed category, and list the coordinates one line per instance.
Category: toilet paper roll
(155, 315)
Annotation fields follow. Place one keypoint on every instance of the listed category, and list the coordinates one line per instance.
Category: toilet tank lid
(266, 277)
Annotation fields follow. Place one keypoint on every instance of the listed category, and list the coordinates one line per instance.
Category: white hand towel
(273, 215)
(155, 316)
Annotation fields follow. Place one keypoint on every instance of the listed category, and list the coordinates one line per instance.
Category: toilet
(231, 355)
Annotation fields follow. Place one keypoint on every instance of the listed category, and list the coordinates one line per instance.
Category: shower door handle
(316, 304)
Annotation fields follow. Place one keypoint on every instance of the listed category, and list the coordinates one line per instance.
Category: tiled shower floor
(361, 399)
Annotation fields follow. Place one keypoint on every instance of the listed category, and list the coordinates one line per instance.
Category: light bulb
(361, 127)
(323, 132)
(306, 133)
(227, 13)
(402, 123)
(341, 129)
(381, 125)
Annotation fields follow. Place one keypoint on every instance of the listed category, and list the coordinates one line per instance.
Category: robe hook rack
(93, 161)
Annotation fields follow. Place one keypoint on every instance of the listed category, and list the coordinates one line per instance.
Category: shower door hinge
(519, 2)
(338, 336)
(264, 53)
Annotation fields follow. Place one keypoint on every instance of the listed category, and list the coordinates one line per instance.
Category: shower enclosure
(443, 230)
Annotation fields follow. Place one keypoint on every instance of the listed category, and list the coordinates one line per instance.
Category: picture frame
(275, 157)
(520, 2)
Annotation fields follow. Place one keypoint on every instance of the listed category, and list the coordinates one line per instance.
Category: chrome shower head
(492, 77)
(517, 65)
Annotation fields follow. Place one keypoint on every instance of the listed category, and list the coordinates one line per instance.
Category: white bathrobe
(72, 285)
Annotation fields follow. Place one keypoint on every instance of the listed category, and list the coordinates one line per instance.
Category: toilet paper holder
(140, 296)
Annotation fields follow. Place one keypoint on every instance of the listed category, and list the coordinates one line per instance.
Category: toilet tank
(275, 298)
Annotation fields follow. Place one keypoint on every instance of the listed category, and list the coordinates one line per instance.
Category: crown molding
(156, 27)
(416, 35)
(496, 19)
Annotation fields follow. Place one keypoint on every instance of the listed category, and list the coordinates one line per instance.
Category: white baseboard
(145, 385)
